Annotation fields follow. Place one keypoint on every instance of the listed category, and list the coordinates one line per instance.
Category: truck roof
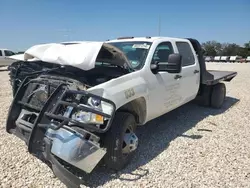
(147, 39)
(124, 39)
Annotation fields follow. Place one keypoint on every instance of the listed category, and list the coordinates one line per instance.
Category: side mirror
(172, 66)
(154, 67)
(174, 63)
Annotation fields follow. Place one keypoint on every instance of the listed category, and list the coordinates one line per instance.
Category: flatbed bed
(219, 76)
(210, 77)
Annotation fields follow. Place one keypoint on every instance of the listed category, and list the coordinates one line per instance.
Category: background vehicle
(4, 57)
(76, 104)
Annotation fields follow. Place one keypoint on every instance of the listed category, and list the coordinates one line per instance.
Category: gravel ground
(189, 147)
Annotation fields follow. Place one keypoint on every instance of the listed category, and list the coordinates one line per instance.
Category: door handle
(177, 77)
(196, 71)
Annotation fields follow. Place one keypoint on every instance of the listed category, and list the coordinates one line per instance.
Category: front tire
(120, 141)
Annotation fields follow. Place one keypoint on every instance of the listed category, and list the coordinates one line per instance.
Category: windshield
(135, 51)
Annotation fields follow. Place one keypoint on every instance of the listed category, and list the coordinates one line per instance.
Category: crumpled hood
(82, 55)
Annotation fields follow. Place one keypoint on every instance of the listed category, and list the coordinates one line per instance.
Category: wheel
(204, 99)
(120, 141)
(218, 95)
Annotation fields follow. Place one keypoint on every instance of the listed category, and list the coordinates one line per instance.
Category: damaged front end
(61, 123)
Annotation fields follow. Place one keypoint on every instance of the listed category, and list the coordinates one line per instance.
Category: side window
(162, 52)
(1, 53)
(186, 52)
(8, 53)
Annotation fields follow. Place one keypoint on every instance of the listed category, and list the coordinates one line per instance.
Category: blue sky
(25, 23)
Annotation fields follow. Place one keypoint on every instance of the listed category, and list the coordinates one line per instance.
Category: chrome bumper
(71, 147)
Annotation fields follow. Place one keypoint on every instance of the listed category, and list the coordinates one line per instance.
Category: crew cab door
(164, 88)
(190, 71)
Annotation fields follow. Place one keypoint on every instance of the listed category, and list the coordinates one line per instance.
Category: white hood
(82, 55)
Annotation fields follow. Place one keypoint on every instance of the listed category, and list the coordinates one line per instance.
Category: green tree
(247, 45)
(230, 49)
(243, 52)
(212, 48)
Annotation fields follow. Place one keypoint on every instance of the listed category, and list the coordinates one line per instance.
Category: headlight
(92, 118)
(88, 117)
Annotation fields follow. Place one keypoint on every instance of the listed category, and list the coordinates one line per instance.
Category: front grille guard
(77, 107)
(56, 100)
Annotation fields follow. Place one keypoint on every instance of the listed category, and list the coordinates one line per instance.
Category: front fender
(122, 90)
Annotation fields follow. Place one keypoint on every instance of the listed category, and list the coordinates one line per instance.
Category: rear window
(186, 52)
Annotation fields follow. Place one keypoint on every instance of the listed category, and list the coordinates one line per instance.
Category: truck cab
(162, 84)
(166, 90)
(172, 88)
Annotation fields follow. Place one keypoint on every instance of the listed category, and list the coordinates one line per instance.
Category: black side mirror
(174, 63)
(172, 66)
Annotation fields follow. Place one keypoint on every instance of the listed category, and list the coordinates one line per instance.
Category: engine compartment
(102, 72)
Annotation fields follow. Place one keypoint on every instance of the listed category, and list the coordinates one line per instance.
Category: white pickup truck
(4, 57)
(78, 103)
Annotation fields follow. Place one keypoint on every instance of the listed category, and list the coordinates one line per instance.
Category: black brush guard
(47, 117)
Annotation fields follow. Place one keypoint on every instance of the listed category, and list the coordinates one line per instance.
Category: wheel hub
(130, 142)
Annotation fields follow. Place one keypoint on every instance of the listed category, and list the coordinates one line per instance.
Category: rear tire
(218, 95)
(204, 99)
(122, 125)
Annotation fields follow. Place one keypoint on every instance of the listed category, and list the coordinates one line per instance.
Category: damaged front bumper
(73, 148)
(68, 145)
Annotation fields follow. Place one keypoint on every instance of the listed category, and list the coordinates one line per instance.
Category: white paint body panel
(82, 55)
